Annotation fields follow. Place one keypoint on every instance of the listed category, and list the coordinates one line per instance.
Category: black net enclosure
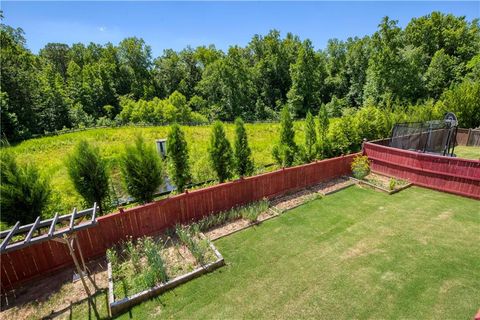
(437, 136)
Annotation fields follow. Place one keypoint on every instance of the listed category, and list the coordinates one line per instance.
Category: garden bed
(149, 266)
(382, 183)
(332, 186)
(293, 200)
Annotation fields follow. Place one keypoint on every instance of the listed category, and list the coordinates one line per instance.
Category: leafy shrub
(88, 173)
(142, 170)
(391, 184)
(24, 194)
(360, 167)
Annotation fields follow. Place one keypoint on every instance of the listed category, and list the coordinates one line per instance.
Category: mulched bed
(330, 186)
(237, 225)
(293, 200)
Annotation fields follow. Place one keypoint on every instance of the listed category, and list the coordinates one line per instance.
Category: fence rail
(41, 259)
(453, 175)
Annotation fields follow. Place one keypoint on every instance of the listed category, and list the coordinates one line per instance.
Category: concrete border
(119, 306)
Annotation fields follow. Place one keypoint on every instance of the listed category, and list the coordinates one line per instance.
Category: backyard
(357, 253)
(468, 152)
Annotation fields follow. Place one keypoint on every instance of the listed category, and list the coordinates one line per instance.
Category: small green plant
(392, 183)
(112, 257)
(249, 212)
(133, 254)
(187, 237)
(360, 167)
(156, 271)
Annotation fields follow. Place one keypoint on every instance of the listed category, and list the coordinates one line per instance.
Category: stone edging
(117, 307)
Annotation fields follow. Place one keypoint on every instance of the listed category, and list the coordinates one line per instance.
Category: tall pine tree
(310, 139)
(285, 152)
(242, 153)
(177, 157)
(220, 152)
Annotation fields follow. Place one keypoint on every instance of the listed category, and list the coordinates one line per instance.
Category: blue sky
(176, 25)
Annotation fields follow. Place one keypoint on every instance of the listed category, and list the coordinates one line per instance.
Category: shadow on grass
(92, 304)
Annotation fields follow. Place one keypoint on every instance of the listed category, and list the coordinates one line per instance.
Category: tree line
(432, 64)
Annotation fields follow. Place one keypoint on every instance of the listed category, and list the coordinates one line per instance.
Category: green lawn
(354, 254)
(468, 152)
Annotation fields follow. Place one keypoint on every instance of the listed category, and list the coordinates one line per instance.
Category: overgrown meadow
(49, 154)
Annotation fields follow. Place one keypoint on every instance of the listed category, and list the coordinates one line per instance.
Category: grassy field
(50, 153)
(354, 254)
(468, 152)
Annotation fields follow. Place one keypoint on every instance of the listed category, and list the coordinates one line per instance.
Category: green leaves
(141, 170)
(310, 152)
(24, 193)
(220, 152)
(88, 173)
(242, 153)
(285, 152)
(177, 155)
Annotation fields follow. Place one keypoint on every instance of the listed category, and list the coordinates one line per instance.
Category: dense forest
(430, 66)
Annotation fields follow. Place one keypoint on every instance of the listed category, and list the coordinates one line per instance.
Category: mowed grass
(468, 152)
(356, 254)
(50, 153)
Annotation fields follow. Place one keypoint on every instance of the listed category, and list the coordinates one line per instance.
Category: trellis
(62, 229)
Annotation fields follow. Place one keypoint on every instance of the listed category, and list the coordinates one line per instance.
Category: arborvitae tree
(142, 170)
(177, 157)
(323, 123)
(285, 152)
(88, 172)
(310, 139)
(24, 193)
(242, 153)
(220, 152)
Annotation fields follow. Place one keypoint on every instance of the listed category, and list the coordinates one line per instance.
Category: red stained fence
(44, 258)
(453, 175)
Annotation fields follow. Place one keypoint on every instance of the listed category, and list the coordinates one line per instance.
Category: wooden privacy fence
(453, 175)
(468, 137)
(44, 258)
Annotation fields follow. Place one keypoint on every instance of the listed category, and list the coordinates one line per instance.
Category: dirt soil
(384, 181)
(292, 200)
(238, 224)
(178, 260)
(52, 294)
(331, 185)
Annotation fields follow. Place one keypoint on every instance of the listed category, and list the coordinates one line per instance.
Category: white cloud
(102, 29)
